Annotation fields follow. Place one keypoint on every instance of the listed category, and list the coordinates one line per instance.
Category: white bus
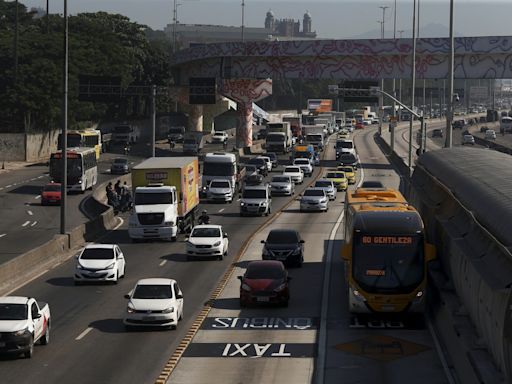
(506, 124)
(82, 168)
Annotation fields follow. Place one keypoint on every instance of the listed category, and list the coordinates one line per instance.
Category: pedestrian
(108, 188)
(117, 187)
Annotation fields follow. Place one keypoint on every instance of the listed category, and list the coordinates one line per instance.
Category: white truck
(221, 166)
(279, 137)
(314, 135)
(166, 198)
(23, 322)
(124, 134)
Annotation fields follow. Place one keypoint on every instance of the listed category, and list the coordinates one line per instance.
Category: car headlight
(168, 310)
(130, 309)
(245, 287)
(296, 251)
(280, 288)
(242, 204)
(189, 243)
(21, 332)
(264, 203)
(79, 266)
(216, 244)
(111, 266)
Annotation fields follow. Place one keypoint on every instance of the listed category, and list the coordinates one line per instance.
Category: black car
(260, 164)
(284, 245)
(459, 124)
(273, 158)
(372, 184)
(348, 159)
(437, 132)
(262, 134)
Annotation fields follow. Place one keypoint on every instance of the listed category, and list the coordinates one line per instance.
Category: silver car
(314, 199)
(468, 139)
(220, 190)
(328, 187)
(282, 185)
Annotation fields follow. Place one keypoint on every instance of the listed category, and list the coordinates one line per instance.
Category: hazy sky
(330, 18)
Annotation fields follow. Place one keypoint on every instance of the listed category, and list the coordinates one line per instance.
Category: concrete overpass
(240, 67)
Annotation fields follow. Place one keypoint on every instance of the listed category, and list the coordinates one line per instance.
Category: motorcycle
(204, 219)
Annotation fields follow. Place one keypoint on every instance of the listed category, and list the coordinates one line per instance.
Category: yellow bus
(92, 139)
(385, 252)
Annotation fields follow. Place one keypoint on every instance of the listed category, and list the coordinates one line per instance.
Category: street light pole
(47, 16)
(413, 80)
(383, 20)
(243, 21)
(16, 36)
(64, 142)
(174, 18)
(394, 79)
(449, 114)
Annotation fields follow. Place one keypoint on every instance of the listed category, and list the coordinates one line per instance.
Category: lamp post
(413, 80)
(394, 80)
(16, 37)
(64, 142)
(383, 20)
(47, 16)
(243, 21)
(449, 114)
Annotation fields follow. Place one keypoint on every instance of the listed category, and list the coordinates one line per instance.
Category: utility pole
(413, 80)
(394, 80)
(449, 114)
(47, 16)
(16, 38)
(400, 83)
(383, 19)
(153, 119)
(243, 21)
(64, 138)
(174, 20)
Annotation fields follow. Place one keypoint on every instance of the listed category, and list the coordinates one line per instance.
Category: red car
(359, 125)
(51, 194)
(265, 281)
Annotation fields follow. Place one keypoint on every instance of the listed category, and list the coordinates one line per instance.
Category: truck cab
(221, 166)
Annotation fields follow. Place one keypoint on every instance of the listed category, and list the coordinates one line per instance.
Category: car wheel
(174, 238)
(30, 352)
(284, 304)
(220, 257)
(45, 340)
(128, 328)
(116, 278)
(78, 282)
(124, 272)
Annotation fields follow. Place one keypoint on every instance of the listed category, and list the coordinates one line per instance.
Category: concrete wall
(29, 147)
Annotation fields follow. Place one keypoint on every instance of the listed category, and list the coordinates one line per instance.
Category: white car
(490, 134)
(155, 302)
(295, 172)
(314, 199)
(367, 121)
(328, 186)
(100, 262)
(282, 185)
(219, 137)
(220, 190)
(305, 165)
(468, 139)
(208, 240)
(267, 161)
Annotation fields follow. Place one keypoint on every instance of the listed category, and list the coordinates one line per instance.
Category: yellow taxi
(349, 173)
(343, 134)
(338, 178)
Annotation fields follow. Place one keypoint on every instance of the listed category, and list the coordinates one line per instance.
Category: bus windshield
(384, 263)
(218, 169)
(74, 169)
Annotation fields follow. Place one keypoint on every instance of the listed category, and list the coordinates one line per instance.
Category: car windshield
(205, 232)
(218, 169)
(121, 161)
(97, 254)
(156, 291)
(142, 198)
(314, 192)
(335, 175)
(122, 129)
(280, 179)
(52, 188)
(346, 169)
(282, 237)
(292, 169)
(344, 144)
(13, 311)
(323, 184)
(254, 194)
(258, 161)
(272, 156)
(250, 168)
(302, 161)
(189, 141)
(384, 263)
(218, 134)
(264, 272)
(220, 184)
(348, 157)
(275, 137)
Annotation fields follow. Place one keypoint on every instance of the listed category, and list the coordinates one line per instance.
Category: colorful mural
(475, 57)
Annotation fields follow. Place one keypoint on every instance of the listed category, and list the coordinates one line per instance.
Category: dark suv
(284, 245)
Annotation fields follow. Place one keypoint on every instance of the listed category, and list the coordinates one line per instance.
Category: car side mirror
(430, 252)
(127, 296)
(225, 234)
(37, 316)
(262, 241)
(302, 241)
(240, 278)
(179, 296)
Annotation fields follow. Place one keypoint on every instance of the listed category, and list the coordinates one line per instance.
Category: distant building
(274, 29)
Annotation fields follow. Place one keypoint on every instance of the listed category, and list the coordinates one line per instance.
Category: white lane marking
(8, 186)
(1, 188)
(221, 210)
(121, 222)
(32, 179)
(3, 234)
(37, 197)
(15, 184)
(30, 213)
(322, 337)
(40, 177)
(34, 223)
(25, 223)
(84, 333)
(163, 263)
(237, 199)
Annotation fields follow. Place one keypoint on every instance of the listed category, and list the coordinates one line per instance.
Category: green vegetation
(100, 44)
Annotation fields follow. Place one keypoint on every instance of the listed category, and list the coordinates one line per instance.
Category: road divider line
(25, 223)
(8, 186)
(34, 223)
(221, 210)
(3, 234)
(187, 339)
(37, 197)
(30, 213)
(163, 263)
(84, 333)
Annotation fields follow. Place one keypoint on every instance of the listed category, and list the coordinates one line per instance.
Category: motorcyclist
(127, 148)
(204, 218)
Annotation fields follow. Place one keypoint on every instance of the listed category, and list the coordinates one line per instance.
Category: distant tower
(269, 20)
(306, 23)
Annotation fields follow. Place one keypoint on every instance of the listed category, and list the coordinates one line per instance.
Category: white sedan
(208, 240)
(305, 165)
(154, 302)
(100, 262)
(219, 137)
(295, 172)
(267, 161)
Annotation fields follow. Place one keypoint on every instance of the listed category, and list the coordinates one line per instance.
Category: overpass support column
(245, 92)
(195, 117)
